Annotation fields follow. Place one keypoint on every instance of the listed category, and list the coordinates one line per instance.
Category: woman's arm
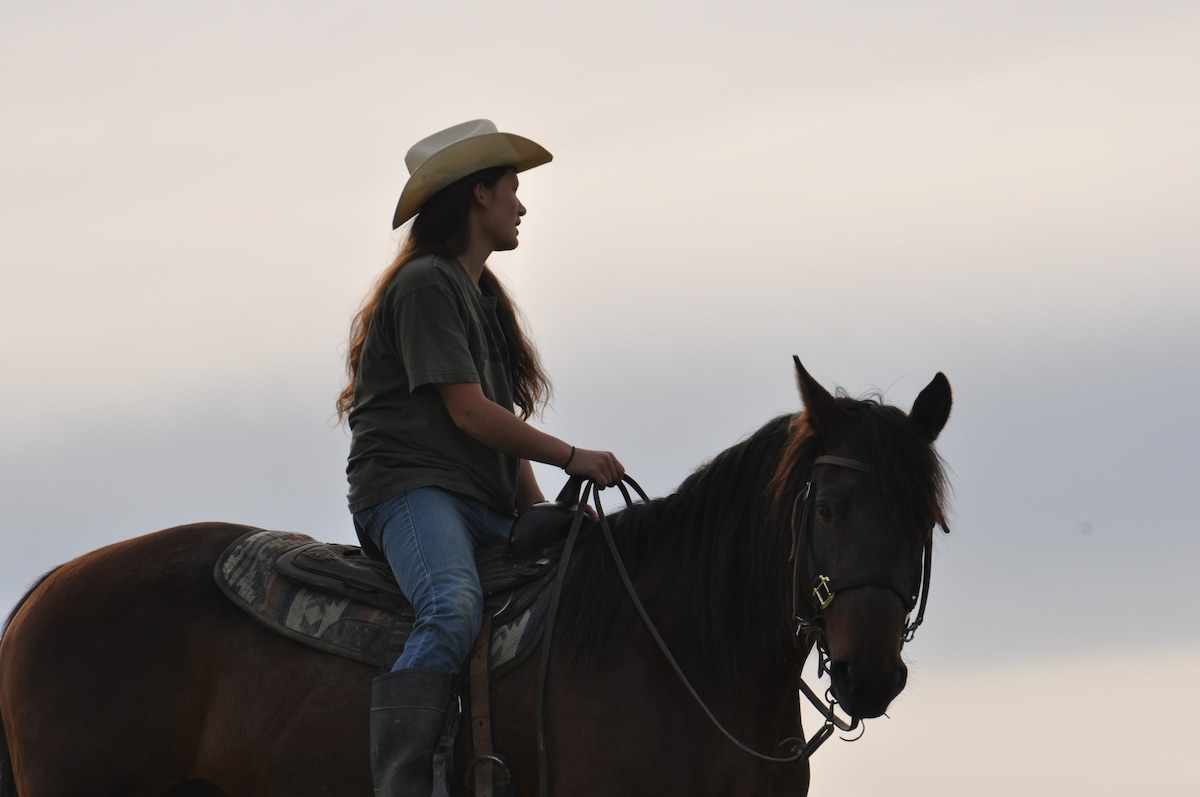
(494, 426)
(528, 491)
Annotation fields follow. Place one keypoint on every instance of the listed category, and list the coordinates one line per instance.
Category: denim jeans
(429, 536)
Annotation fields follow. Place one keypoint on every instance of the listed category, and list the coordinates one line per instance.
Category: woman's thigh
(429, 536)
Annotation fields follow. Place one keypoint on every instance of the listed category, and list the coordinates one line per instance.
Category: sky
(195, 198)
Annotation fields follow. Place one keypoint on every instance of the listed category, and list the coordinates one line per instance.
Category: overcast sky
(194, 198)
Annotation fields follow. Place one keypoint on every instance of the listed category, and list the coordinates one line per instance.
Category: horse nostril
(865, 688)
(841, 674)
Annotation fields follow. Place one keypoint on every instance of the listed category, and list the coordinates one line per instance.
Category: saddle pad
(347, 611)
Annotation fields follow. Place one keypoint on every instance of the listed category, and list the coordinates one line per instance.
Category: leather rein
(824, 590)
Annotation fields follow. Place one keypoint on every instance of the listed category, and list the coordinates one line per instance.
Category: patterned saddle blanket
(333, 597)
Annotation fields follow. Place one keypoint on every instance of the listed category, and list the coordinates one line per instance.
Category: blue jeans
(429, 536)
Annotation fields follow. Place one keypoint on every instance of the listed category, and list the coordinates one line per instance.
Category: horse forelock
(905, 467)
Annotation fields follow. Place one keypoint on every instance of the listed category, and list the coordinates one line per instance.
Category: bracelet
(567, 464)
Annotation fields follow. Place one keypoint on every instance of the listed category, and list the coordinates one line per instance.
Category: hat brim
(461, 159)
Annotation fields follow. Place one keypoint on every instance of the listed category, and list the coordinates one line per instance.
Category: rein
(824, 591)
(801, 748)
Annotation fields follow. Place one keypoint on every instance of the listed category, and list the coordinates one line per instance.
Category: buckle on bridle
(823, 594)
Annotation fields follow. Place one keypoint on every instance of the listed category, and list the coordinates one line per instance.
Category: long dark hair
(441, 228)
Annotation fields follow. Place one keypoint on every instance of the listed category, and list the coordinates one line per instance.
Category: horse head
(864, 527)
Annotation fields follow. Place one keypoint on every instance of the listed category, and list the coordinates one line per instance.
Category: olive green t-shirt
(431, 327)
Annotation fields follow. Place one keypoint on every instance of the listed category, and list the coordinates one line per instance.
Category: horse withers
(128, 672)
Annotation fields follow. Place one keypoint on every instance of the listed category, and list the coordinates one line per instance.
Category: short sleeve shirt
(432, 326)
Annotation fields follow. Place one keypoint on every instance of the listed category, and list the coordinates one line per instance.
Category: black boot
(408, 710)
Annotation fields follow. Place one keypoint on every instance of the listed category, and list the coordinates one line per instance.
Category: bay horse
(127, 672)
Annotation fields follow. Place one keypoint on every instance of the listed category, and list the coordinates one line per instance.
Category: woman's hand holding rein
(494, 426)
(602, 467)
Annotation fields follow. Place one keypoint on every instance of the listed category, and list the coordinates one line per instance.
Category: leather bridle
(825, 588)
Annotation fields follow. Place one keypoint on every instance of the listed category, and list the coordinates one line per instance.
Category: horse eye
(825, 511)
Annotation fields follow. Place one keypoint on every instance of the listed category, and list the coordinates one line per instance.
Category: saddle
(334, 598)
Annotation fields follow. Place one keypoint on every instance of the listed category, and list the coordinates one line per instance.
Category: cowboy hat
(438, 160)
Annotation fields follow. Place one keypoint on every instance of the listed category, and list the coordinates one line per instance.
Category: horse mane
(715, 552)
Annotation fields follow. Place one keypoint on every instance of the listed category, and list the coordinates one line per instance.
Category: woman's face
(500, 212)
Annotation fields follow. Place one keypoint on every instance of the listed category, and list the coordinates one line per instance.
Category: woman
(442, 382)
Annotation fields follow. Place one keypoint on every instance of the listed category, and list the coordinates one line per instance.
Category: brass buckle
(822, 593)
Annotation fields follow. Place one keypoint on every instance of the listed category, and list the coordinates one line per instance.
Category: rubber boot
(408, 711)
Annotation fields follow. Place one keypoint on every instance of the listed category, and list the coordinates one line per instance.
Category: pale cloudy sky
(194, 197)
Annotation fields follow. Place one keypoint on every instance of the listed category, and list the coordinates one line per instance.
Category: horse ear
(824, 414)
(932, 408)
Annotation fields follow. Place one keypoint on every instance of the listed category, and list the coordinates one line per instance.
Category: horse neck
(722, 552)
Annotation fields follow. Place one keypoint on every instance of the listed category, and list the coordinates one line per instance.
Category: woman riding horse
(439, 458)
(128, 670)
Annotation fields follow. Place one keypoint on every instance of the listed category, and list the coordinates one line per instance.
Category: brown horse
(126, 671)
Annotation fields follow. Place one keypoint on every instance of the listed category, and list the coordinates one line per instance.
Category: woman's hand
(602, 467)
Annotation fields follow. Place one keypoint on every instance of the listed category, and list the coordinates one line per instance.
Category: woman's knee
(459, 608)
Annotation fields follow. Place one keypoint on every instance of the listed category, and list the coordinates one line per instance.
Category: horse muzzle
(864, 631)
(865, 690)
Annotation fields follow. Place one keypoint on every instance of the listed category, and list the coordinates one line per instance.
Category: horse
(674, 665)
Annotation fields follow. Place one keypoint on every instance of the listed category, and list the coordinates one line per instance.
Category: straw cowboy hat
(437, 161)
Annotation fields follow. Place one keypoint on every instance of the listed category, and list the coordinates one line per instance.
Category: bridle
(824, 590)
